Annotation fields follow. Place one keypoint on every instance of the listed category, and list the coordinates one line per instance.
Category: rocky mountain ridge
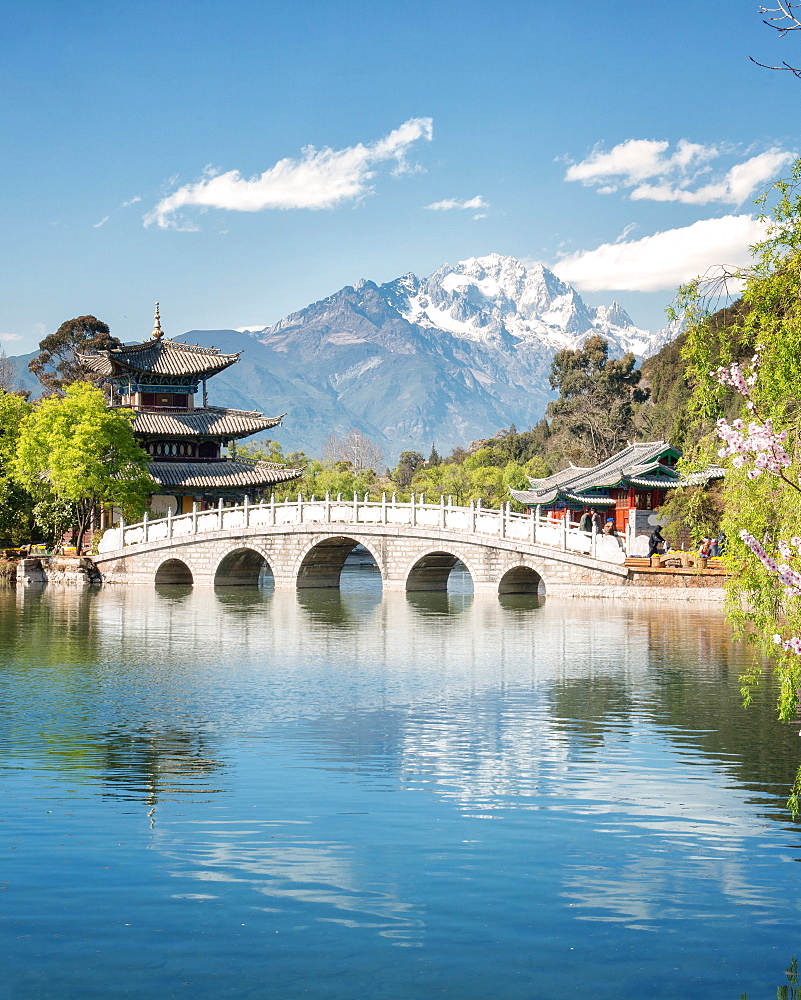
(415, 361)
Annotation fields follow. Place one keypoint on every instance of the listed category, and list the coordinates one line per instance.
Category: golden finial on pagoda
(158, 333)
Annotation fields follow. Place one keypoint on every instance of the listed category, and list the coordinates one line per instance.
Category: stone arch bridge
(305, 543)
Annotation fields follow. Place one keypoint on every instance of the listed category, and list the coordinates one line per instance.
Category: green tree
(404, 471)
(762, 496)
(694, 511)
(16, 504)
(76, 453)
(597, 396)
(57, 364)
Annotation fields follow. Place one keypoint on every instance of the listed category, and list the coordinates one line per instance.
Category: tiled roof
(215, 421)
(221, 474)
(160, 357)
(633, 460)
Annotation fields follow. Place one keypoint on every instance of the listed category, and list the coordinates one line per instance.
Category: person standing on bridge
(597, 523)
(585, 521)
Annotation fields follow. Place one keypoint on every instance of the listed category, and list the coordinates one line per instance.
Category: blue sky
(238, 160)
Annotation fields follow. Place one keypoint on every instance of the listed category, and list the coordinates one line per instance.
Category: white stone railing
(445, 516)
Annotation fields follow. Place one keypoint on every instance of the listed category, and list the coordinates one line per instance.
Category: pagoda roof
(160, 357)
(638, 463)
(210, 421)
(220, 474)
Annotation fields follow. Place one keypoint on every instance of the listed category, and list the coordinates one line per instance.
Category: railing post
(300, 508)
(532, 528)
(145, 522)
(272, 509)
(412, 517)
(194, 517)
(564, 533)
(472, 517)
(502, 519)
(594, 543)
(442, 511)
(327, 506)
(169, 522)
(122, 532)
(478, 513)
(384, 508)
(355, 507)
(220, 514)
(246, 511)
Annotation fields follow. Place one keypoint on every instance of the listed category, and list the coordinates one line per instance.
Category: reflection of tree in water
(345, 608)
(692, 688)
(152, 763)
(438, 603)
(45, 626)
(591, 706)
(523, 604)
(790, 989)
(174, 593)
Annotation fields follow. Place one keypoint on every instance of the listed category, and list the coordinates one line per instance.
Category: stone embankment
(72, 570)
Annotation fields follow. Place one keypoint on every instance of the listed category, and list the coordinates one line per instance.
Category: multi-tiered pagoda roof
(158, 380)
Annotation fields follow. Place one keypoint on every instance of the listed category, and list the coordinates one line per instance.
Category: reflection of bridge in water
(305, 543)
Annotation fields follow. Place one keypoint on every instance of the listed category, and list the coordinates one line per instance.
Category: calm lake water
(256, 794)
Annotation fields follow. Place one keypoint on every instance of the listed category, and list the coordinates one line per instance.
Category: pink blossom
(758, 442)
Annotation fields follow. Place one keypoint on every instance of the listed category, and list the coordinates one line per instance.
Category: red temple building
(627, 487)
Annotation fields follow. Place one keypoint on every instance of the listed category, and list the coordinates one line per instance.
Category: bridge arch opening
(243, 568)
(439, 571)
(522, 580)
(323, 565)
(174, 571)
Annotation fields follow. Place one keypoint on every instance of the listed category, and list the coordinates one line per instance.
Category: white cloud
(320, 178)
(10, 336)
(451, 203)
(664, 260)
(131, 201)
(103, 221)
(638, 159)
(735, 187)
(652, 172)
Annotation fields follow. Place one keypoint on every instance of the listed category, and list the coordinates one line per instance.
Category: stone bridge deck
(305, 543)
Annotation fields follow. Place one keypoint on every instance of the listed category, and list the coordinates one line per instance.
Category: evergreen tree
(597, 396)
(57, 364)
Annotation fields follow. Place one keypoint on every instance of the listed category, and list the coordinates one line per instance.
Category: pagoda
(193, 446)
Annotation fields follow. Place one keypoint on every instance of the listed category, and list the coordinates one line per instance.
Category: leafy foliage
(73, 452)
(16, 504)
(597, 396)
(57, 365)
(766, 506)
(692, 511)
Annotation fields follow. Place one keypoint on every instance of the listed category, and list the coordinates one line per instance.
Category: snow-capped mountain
(445, 359)
(448, 358)
(493, 298)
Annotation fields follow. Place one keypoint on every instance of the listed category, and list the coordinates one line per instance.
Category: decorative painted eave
(210, 421)
(220, 474)
(159, 357)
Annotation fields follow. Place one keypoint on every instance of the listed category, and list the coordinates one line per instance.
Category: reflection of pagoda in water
(158, 380)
